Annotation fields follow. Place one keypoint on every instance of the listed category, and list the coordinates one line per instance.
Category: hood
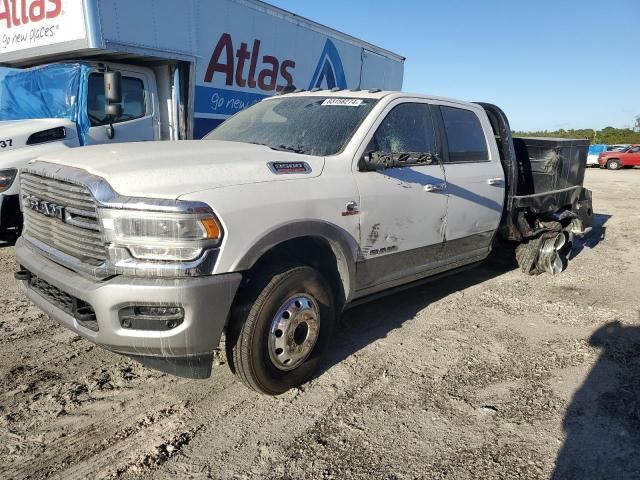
(171, 169)
(15, 133)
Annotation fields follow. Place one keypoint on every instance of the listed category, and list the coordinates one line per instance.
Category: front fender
(343, 245)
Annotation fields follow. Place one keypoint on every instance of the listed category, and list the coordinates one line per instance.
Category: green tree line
(608, 135)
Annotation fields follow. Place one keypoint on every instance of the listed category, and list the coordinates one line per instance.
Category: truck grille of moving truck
(62, 215)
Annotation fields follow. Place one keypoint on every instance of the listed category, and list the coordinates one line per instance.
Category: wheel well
(313, 251)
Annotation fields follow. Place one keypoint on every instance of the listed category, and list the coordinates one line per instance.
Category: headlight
(6, 178)
(161, 236)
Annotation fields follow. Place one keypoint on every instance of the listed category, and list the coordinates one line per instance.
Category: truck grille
(64, 217)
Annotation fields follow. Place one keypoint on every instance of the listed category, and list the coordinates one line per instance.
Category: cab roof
(372, 93)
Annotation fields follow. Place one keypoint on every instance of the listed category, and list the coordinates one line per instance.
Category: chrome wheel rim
(294, 332)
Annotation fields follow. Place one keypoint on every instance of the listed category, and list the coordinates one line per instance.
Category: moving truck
(173, 70)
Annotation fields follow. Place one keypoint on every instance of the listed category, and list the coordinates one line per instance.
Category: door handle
(495, 181)
(435, 188)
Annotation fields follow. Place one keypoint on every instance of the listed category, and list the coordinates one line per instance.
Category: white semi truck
(174, 70)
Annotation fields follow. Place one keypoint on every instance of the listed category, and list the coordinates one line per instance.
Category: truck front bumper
(94, 310)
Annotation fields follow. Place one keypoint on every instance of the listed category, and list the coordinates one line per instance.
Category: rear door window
(133, 100)
(464, 134)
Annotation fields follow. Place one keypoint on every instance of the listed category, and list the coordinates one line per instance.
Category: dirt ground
(487, 374)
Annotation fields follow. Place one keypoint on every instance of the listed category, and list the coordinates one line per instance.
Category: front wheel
(277, 339)
(614, 164)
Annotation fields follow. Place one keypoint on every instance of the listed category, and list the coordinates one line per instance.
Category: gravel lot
(487, 374)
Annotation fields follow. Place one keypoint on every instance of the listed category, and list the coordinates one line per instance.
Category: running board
(407, 286)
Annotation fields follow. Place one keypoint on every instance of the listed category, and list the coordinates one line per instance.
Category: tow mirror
(112, 87)
(372, 162)
(112, 98)
(113, 110)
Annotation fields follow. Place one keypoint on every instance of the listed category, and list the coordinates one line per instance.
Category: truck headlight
(6, 178)
(161, 236)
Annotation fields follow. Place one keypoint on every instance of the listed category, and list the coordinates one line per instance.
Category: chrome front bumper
(184, 350)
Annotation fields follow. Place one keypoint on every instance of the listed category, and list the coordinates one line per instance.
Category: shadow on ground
(363, 325)
(597, 234)
(602, 423)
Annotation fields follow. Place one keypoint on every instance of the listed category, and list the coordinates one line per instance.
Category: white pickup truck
(282, 217)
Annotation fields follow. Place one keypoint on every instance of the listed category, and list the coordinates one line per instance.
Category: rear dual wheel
(277, 337)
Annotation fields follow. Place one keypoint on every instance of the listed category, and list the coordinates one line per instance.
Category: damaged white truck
(279, 219)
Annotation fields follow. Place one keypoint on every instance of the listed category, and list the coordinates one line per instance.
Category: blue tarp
(51, 91)
(597, 148)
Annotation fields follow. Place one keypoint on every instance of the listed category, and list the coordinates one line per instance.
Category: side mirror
(112, 99)
(112, 87)
(374, 161)
(113, 110)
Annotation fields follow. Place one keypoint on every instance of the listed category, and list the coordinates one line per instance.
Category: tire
(614, 164)
(278, 335)
(526, 256)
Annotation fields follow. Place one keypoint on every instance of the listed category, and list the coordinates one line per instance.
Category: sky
(547, 64)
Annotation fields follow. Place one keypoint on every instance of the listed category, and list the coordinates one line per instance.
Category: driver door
(633, 157)
(402, 210)
(137, 122)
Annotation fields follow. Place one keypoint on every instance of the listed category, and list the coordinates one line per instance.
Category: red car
(617, 160)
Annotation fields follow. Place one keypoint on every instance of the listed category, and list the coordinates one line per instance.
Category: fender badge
(283, 168)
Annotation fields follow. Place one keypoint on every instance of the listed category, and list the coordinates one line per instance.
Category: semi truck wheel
(278, 336)
(614, 164)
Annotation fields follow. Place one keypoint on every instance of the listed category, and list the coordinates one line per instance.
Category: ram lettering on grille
(63, 216)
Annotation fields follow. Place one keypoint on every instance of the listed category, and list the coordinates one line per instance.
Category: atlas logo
(48, 209)
(22, 12)
(240, 67)
(330, 70)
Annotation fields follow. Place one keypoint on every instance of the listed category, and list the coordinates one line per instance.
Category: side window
(465, 137)
(635, 150)
(408, 128)
(133, 101)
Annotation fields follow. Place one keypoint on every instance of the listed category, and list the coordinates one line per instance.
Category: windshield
(42, 92)
(309, 125)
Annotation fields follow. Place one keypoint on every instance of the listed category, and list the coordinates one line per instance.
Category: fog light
(151, 317)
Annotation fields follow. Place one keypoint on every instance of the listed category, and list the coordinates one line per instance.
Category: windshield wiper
(288, 148)
(281, 148)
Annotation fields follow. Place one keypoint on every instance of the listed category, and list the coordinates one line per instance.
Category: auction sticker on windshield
(342, 102)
